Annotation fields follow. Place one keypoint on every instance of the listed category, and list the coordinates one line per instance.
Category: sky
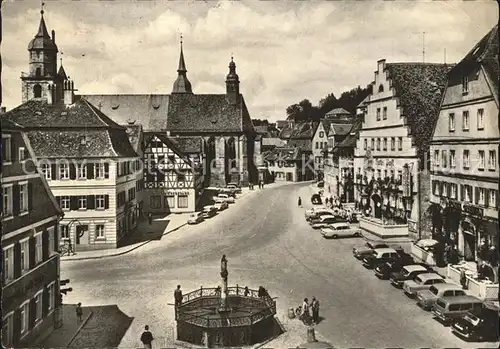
(284, 51)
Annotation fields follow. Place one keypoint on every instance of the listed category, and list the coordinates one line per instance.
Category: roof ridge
(108, 124)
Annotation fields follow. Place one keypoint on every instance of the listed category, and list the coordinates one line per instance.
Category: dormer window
(465, 84)
(381, 88)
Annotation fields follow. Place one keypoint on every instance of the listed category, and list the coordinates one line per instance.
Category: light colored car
(319, 212)
(221, 206)
(312, 211)
(421, 282)
(323, 221)
(223, 198)
(209, 211)
(427, 298)
(361, 251)
(408, 272)
(195, 218)
(337, 230)
(234, 187)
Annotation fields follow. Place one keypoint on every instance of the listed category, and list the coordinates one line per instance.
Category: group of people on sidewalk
(261, 185)
(308, 312)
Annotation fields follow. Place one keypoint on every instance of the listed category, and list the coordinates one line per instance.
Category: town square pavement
(267, 242)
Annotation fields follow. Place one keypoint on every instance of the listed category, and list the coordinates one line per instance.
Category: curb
(80, 328)
(123, 252)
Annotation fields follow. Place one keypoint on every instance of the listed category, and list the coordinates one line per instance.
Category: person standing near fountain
(223, 273)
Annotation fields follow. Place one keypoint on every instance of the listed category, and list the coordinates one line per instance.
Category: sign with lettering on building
(406, 181)
(473, 210)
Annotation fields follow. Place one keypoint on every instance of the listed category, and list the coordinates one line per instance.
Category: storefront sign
(473, 210)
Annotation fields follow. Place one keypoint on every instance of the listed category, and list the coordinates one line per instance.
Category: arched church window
(37, 91)
(381, 88)
(38, 72)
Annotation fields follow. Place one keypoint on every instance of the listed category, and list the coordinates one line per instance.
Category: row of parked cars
(333, 223)
(469, 317)
(225, 196)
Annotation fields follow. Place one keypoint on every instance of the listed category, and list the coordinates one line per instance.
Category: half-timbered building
(173, 173)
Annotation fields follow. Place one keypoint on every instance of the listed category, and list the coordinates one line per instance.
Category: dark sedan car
(383, 271)
(380, 256)
(408, 272)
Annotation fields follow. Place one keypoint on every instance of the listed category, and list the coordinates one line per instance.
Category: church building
(221, 120)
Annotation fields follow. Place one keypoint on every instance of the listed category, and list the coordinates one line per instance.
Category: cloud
(284, 51)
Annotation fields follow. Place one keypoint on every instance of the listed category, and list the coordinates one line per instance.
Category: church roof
(338, 111)
(188, 145)
(42, 40)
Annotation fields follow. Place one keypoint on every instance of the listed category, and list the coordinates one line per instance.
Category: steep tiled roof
(485, 52)
(352, 137)
(148, 110)
(419, 87)
(10, 125)
(283, 154)
(207, 113)
(67, 143)
(340, 129)
(134, 133)
(188, 145)
(37, 113)
(338, 111)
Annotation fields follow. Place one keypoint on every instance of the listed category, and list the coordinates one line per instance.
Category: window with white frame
(38, 248)
(384, 144)
(8, 330)
(378, 114)
(436, 188)
(436, 157)
(46, 171)
(492, 196)
(465, 84)
(51, 238)
(182, 201)
(7, 200)
(63, 231)
(481, 200)
(25, 255)
(82, 202)
(82, 171)
(444, 158)
(452, 159)
(365, 144)
(23, 154)
(467, 193)
(99, 231)
(480, 119)
(23, 197)
(63, 171)
(400, 143)
(378, 143)
(393, 143)
(51, 292)
(492, 159)
(444, 189)
(384, 113)
(453, 191)
(38, 306)
(465, 120)
(99, 170)
(481, 159)
(8, 262)
(451, 122)
(373, 144)
(321, 134)
(100, 202)
(6, 149)
(24, 315)
(466, 159)
(65, 203)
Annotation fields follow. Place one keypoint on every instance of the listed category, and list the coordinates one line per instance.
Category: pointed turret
(42, 39)
(182, 84)
(61, 74)
(232, 84)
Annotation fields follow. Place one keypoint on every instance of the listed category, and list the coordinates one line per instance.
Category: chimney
(68, 88)
(54, 36)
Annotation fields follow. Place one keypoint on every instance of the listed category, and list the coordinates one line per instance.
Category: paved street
(267, 242)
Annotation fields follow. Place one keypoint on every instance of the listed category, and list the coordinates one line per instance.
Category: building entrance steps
(61, 337)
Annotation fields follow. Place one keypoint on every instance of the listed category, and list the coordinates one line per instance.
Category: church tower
(232, 84)
(42, 64)
(182, 84)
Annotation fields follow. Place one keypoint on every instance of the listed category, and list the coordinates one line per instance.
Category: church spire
(182, 84)
(232, 83)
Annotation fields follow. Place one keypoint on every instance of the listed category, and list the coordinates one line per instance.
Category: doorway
(469, 246)
(82, 234)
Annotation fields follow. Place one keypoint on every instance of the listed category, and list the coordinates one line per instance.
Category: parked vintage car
(380, 256)
(209, 211)
(448, 309)
(360, 252)
(324, 221)
(337, 230)
(421, 282)
(479, 327)
(234, 187)
(221, 206)
(427, 298)
(320, 212)
(224, 198)
(383, 271)
(196, 217)
(408, 272)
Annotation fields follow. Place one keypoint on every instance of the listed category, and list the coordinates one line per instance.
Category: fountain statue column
(223, 306)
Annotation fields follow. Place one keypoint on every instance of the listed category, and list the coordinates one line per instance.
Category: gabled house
(286, 164)
(338, 114)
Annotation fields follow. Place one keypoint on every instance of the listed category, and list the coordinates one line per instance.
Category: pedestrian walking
(147, 337)
(79, 312)
(150, 218)
(178, 296)
(300, 202)
(315, 310)
(247, 291)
